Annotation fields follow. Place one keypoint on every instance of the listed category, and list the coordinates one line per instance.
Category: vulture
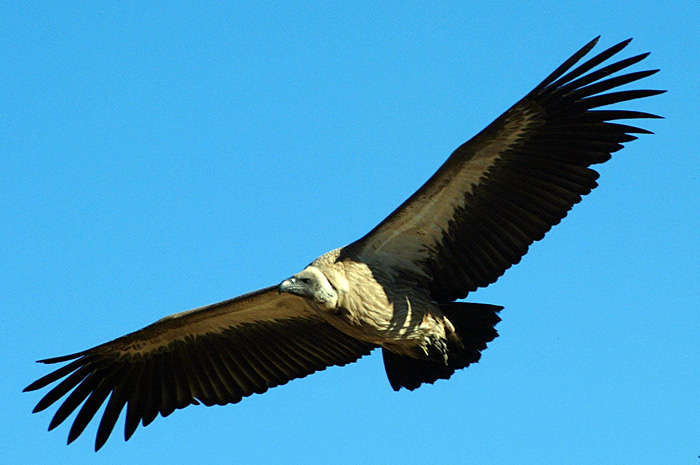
(398, 287)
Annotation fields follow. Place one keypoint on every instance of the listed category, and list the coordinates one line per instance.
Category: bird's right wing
(507, 186)
(215, 355)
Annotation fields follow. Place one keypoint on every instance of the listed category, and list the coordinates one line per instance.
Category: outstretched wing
(506, 187)
(215, 355)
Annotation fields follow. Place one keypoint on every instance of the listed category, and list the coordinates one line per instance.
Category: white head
(313, 285)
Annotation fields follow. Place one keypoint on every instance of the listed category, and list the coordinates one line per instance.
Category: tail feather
(475, 325)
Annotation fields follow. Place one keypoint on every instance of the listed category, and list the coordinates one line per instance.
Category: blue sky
(158, 157)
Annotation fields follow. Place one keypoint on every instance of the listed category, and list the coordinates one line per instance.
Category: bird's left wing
(507, 186)
(214, 355)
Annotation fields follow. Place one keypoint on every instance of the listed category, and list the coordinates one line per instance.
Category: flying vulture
(396, 288)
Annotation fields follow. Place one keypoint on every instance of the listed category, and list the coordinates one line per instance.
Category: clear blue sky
(163, 156)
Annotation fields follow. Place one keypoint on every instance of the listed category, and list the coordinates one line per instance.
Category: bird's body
(403, 318)
(397, 288)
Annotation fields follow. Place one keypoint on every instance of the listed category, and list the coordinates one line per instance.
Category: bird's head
(313, 285)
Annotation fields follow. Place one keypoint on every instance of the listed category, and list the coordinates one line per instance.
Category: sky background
(156, 157)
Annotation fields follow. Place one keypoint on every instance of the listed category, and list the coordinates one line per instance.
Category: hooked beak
(287, 285)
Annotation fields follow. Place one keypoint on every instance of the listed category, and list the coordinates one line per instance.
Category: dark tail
(475, 325)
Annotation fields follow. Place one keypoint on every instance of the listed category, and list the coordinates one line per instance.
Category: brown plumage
(394, 288)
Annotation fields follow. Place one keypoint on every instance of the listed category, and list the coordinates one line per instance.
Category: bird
(399, 288)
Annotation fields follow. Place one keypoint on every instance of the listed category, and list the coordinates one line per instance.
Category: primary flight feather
(395, 288)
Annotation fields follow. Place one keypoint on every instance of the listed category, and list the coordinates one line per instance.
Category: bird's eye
(305, 280)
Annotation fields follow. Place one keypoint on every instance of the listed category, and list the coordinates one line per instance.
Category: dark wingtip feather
(612, 115)
(588, 65)
(63, 358)
(611, 98)
(40, 383)
(622, 44)
(564, 67)
(54, 376)
(131, 423)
